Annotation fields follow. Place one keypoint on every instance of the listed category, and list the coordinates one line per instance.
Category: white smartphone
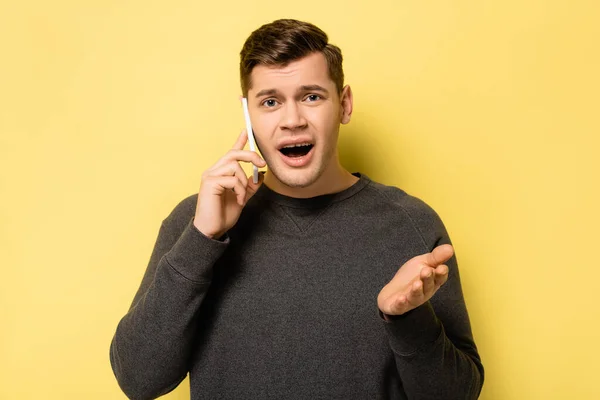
(250, 137)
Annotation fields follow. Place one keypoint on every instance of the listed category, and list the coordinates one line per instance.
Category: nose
(292, 117)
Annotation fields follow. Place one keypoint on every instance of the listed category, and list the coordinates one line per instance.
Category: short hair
(283, 41)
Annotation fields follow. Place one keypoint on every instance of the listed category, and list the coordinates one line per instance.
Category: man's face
(296, 113)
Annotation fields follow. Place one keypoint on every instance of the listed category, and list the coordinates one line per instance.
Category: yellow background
(111, 110)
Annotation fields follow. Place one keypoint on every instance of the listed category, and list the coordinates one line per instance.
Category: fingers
(237, 154)
(239, 145)
(241, 140)
(396, 305)
(229, 166)
(416, 295)
(439, 255)
(220, 184)
(247, 189)
(227, 171)
(441, 275)
(428, 279)
(418, 292)
(252, 187)
(433, 278)
(400, 305)
(241, 155)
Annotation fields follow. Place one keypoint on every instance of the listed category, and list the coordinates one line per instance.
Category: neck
(332, 180)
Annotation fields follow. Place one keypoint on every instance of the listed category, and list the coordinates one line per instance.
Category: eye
(313, 97)
(269, 103)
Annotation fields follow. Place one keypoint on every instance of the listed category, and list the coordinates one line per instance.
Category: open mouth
(297, 150)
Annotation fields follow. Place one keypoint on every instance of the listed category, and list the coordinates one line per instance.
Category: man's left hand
(415, 282)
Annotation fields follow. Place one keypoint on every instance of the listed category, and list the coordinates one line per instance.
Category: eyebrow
(314, 88)
(303, 88)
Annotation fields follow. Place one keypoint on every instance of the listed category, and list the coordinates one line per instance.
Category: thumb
(252, 187)
(439, 255)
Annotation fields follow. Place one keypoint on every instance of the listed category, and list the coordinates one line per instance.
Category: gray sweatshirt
(284, 306)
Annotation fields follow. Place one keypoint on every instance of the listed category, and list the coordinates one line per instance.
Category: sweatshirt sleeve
(436, 356)
(151, 346)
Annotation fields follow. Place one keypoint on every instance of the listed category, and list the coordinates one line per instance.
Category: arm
(150, 350)
(436, 356)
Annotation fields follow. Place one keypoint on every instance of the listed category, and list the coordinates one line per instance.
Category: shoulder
(182, 213)
(413, 206)
(421, 215)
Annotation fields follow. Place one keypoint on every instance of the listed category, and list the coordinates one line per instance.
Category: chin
(299, 178)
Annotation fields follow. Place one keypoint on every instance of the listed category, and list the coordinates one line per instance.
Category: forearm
(430, 365)
(152, 344)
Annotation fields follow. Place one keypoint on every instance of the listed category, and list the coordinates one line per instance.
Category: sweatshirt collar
(314, 202)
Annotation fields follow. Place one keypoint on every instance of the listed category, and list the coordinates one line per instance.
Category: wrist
(389, 317)
(219, 236)
(206, 232)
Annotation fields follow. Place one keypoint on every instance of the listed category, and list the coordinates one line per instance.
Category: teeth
(289, 146)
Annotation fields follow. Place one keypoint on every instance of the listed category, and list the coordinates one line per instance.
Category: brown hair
(283, 41)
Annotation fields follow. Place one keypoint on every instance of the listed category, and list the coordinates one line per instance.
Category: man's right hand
(225, 189)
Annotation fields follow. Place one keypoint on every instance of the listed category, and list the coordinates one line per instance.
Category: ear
(347, 103)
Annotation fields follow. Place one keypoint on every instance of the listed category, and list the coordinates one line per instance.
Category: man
(314, 283)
